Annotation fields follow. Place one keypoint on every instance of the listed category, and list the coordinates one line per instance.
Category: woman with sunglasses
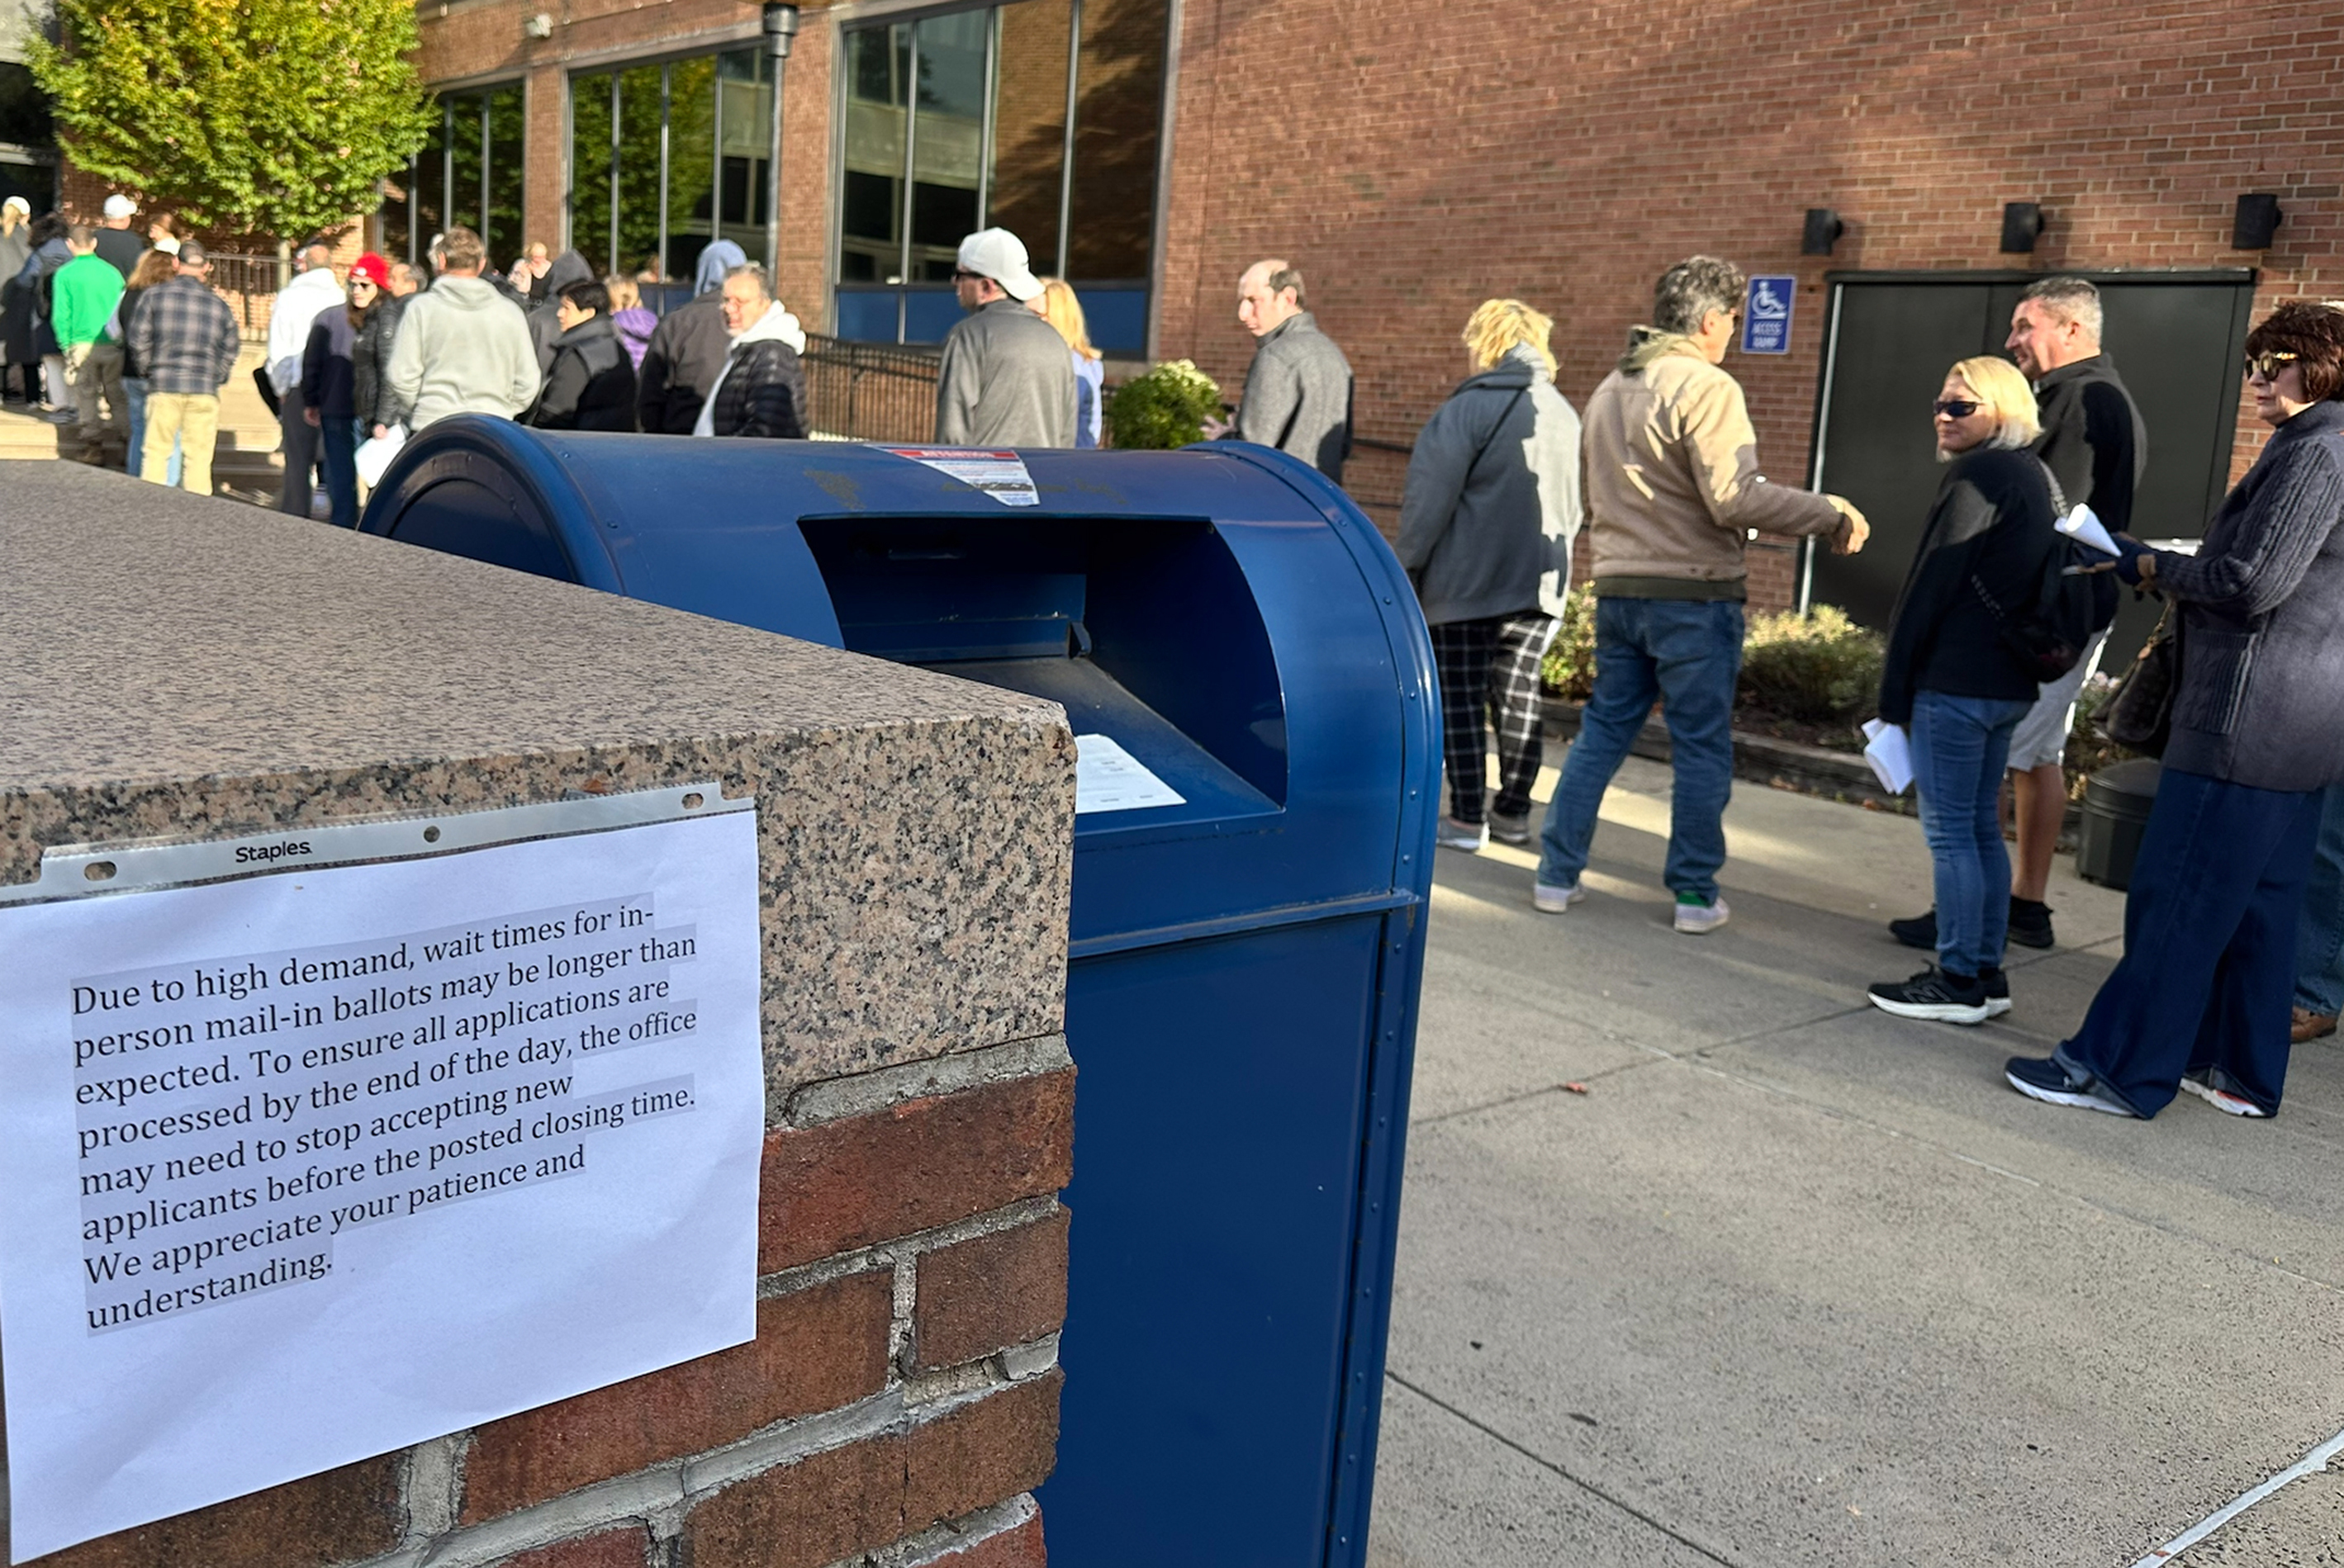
(2201, 999)
(1951, 680)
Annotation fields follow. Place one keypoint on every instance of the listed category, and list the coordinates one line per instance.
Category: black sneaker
(1997, 992)
(1934, 995)
(2030, 922)
(1920, 932)
(2046, 1079)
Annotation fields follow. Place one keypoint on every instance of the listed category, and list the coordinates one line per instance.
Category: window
(472, 172)
(1041, 116)
(666, 158)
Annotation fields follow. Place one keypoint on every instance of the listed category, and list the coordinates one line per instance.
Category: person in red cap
(327, 387)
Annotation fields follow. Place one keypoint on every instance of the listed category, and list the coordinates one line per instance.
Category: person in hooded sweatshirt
(634, 324)
(688, 349)
(761, 391)
(592, 386)
(544, 324)
(462, 347)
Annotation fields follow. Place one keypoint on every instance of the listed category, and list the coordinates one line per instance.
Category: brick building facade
(1413, 163)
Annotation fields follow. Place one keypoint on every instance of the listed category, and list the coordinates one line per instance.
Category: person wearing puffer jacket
(592, 384)
(761, 391)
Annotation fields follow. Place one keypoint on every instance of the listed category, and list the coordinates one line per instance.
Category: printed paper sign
(1109, 778)
(1001, 474)
(324, 1163)
(1766, 315)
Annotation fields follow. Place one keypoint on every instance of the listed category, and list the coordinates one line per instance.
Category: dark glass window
(961, 121)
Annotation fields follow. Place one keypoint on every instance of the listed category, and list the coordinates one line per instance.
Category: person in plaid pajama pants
(1486, 525)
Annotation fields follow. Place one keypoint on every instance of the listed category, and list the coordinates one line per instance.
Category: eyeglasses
(963, 274)
(2268, 365)
(1956, 408)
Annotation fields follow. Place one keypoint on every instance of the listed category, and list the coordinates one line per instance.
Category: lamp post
(781, 28)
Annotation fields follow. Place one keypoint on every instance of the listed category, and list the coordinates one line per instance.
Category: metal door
(1890, 337)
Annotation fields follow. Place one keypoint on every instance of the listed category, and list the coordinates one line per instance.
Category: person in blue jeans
(2199, 1003)
(1953, 681)
(2319, 934)
(1673, 494)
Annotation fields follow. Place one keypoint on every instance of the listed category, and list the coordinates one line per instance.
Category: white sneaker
(2221, 1100)
(1551, 899)
(1469, 837)
(1700, 919)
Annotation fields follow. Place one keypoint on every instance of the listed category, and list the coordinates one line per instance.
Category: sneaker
(2046, 1079)
(1934, 995)
(1920, 932)
(2308, 1025)
(1698, 920)
(1467, 835)
(2201, 1084)
(1997, 992)
(1551, 899)
(1515, 830)
(2030, 922)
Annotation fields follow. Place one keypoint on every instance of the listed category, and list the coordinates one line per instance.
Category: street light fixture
(781, 30)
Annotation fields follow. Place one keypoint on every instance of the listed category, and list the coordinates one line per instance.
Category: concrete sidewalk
(1797, 1282)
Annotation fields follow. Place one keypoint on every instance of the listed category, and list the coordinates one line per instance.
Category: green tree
(263, 117)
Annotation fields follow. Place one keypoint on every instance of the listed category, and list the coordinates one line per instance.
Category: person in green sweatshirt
(85, 294)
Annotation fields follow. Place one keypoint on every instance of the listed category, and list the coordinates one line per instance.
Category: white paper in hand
(1890, 754)
(2083, 525)
(375, 453)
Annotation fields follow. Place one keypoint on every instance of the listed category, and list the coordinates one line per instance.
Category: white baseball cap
(120, 206)
(999, 255)
(20, 203)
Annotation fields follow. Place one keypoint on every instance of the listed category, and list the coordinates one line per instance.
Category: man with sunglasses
(2095, 446)
(1006, 380)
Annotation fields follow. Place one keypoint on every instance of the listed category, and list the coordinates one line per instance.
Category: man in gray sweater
(1007, 377)
(1297, 390)
(462, 347)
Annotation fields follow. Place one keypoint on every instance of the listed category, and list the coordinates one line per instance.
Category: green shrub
(1569, 668)
(1163, 409)
(1815, 669)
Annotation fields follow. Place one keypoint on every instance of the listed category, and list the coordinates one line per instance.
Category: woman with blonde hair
(1486, 526)
(633, 322)
(1952, 680)
(1057, 305)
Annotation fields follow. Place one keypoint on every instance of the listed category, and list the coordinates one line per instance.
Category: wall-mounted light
(1821, 232)
(2256, 221)
(539, 27)
(2022, 222)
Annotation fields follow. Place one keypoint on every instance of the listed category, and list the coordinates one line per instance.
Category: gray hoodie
(1492, 506)
(462, 349)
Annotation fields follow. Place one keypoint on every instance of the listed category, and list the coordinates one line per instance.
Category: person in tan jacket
(1673, 494)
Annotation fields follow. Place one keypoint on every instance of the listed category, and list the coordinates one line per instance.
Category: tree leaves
(277, 117)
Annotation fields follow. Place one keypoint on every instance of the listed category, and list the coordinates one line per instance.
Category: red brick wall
(1415, 160)
(902, 1390)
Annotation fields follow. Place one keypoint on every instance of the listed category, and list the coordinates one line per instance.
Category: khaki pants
(96, 371)
(190, 419)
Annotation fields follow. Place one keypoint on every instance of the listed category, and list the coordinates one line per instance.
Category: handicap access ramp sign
(1766, 315)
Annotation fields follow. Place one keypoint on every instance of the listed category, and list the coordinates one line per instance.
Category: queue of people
(2234, 941)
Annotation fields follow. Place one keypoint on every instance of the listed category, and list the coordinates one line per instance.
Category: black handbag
(2138, 715)
(268, 390)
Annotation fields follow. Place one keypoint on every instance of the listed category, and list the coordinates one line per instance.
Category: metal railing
(249, 285)
(871, 391)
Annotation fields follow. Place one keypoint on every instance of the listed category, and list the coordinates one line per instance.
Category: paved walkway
(1795, 1283)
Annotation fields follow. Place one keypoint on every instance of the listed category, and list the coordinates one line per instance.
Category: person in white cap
(116, 245)
(16, 348)
(1006, 380)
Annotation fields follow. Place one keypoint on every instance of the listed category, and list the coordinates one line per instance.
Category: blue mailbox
(1231, 637)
